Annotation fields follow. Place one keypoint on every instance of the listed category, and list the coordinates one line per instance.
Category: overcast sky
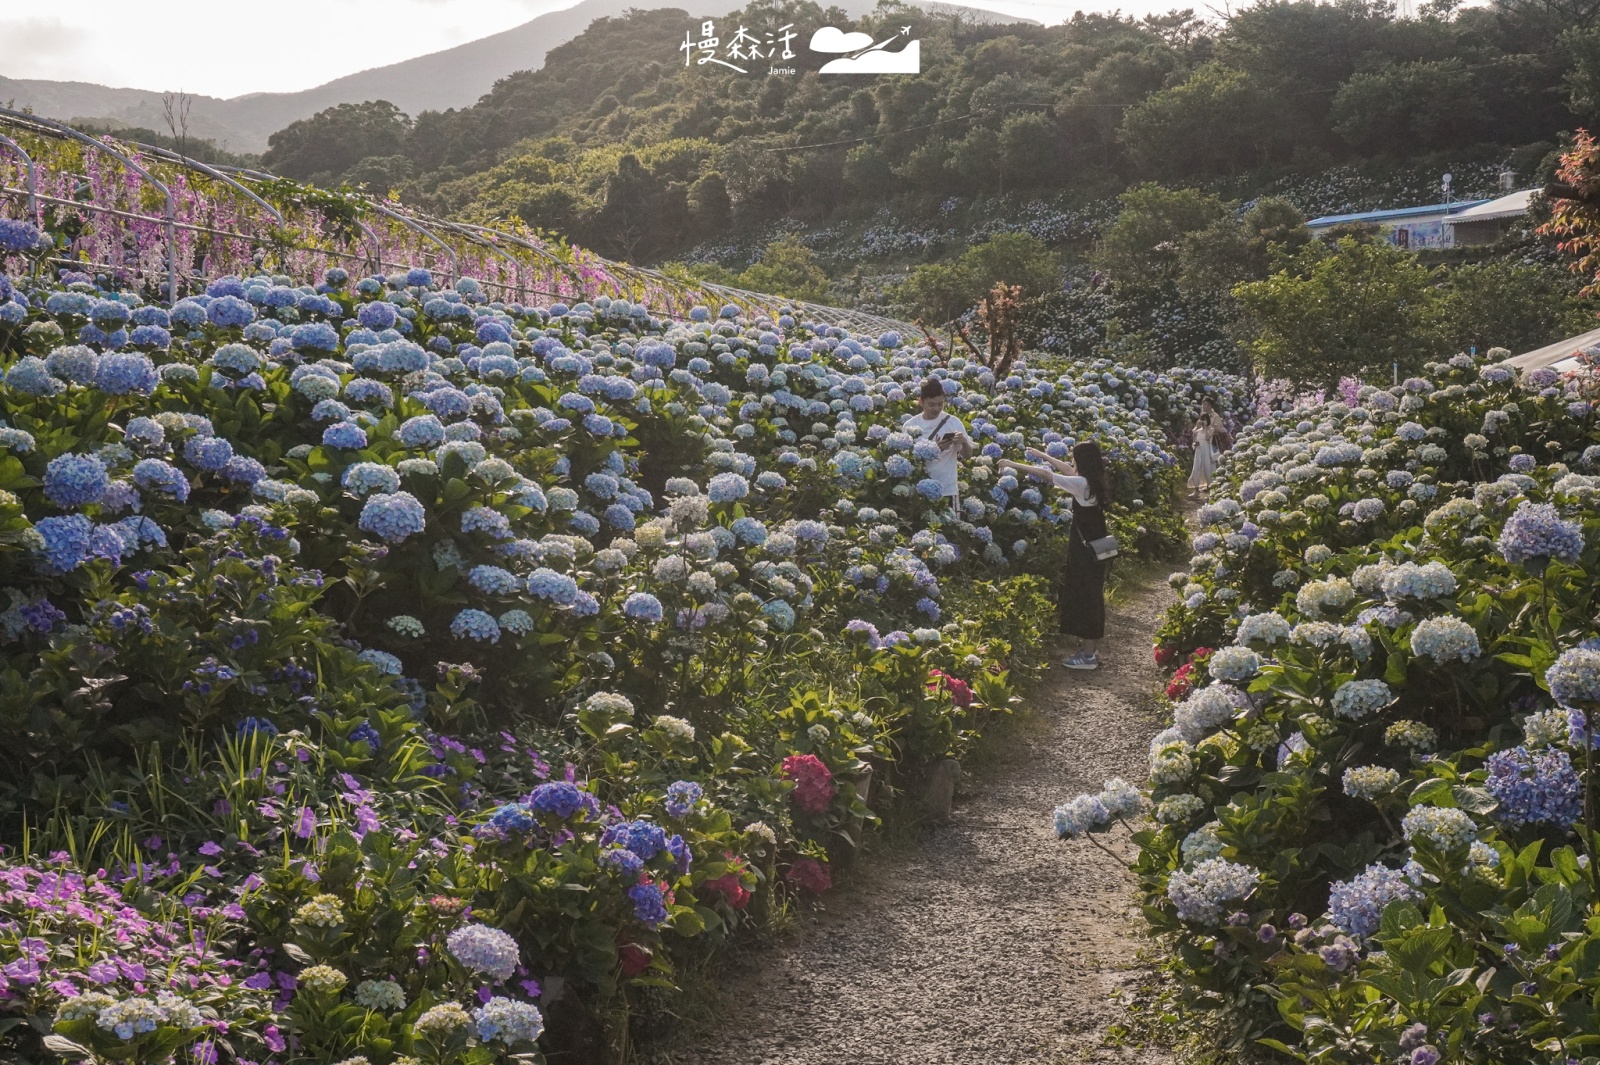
(200, 46)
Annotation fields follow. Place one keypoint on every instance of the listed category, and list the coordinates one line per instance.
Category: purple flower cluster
(1537, 532)
(1356, 905)
(1535, 787)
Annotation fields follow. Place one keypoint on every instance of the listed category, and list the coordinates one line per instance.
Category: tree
(380, 173)
(625, 215)
(1142, 246)
(787, 268)
(710, 209)
(1406, 106)
(1230, 250)
(1511, 305)
(1351, 310)
(330, 142)
(942, 291)
(1218, 121)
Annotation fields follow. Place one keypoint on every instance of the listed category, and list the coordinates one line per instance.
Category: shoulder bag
(1103, 548)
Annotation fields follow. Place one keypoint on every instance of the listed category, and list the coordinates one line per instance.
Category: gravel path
(985, 941)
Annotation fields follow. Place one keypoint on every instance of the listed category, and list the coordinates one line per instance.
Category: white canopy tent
(1560, 356)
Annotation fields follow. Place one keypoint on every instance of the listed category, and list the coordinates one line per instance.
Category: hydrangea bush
(431, 676)
(1374, 827)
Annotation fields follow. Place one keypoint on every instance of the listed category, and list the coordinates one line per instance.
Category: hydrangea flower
(1445, 639)
(642, 606)
(1356, 905)
(472, 624)
(1198, 894)
(72, 481)
(1356, 699)
(1084, 814)
(501, 1020)
(1371, 782)
(392, 516)
(486, 950)
(1269, 628)
(1203, 711)
(682, 796)
(1536, 532)
(1535, 787)
(1233, 664)
(1445, 828)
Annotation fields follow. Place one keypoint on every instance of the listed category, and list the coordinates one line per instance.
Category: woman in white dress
(1205, 453)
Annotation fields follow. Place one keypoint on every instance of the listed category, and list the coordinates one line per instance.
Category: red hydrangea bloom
(960, 691)
(729, 888)
(810, 874)
(813, 782)
(1182, 681)
(635, 959)
(1165, 656)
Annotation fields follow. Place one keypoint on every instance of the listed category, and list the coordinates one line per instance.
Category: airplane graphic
(864, 56)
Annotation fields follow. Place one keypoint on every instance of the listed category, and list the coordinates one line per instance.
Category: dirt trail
(986, 941)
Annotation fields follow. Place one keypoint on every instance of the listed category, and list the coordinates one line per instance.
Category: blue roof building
(1408, 227)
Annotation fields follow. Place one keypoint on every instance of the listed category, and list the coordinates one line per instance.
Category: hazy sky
(203, 47)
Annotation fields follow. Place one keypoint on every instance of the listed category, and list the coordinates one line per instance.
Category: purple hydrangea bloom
(1537, 531)
(1356, 905)
(1535, 787)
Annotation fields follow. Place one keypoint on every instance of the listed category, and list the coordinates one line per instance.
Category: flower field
(1373, 827)
(394, 674)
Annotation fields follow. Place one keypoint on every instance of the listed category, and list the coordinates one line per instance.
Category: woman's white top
(1078, 487)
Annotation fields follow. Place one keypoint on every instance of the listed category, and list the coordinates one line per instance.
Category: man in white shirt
(946, 430)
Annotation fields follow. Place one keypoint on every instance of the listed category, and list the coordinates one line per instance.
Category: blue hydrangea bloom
(642, 606)
(474, 624)
(230, 311)
(208, 452)
(153, 475)
(30, 376)
(66, 541)
(75, 480)
(393, 516)
(1535, 787)
(346, 435)
(423, 431)
(1537, 532)
(1356, 905)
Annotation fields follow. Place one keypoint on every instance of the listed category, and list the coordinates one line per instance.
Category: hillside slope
(455, 77)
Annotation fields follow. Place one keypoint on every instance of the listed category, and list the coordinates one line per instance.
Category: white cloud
(833, 39)
(907, 60)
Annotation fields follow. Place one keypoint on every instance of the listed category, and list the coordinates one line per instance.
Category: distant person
(1082, 604)
(1205, 433)
(945, 429)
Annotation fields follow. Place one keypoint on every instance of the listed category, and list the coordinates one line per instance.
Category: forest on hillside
(618, 144)
(1133, 177)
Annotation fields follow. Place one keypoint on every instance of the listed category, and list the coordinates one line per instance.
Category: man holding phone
(945, 429)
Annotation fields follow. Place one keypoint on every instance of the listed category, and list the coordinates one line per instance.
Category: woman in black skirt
(1083, 588)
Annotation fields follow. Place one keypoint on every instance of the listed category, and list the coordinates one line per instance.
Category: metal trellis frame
(33, 187)
(623, 281)
(166, 193)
